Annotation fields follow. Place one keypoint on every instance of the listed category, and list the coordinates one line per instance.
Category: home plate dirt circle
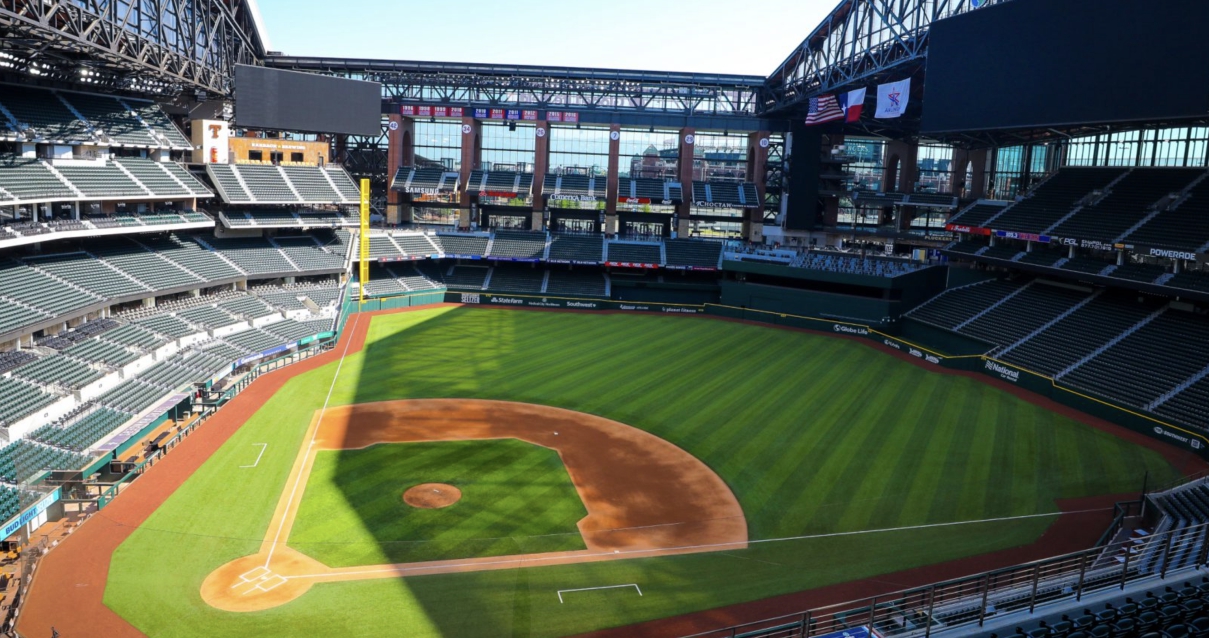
(432, 496)
(644, 496)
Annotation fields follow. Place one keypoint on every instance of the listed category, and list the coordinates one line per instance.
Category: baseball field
(576, 472)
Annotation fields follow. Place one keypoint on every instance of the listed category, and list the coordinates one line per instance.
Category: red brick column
(687, 147)
(472, 154)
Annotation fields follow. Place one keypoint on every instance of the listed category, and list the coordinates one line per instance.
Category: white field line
(567, 591)
(421, 567)
(285, 514)
(263, 447)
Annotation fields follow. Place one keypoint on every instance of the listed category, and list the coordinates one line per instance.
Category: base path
(645, 497)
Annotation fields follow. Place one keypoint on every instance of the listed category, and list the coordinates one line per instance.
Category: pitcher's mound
(432, 496)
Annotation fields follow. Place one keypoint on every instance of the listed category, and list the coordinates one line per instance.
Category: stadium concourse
(296, 345)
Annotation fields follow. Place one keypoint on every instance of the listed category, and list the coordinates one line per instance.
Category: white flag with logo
(892, 98)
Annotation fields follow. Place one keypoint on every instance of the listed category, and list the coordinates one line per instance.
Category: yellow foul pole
(364, 272)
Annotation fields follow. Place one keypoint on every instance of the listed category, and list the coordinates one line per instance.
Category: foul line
(404, 568)
(307, 452)
(562, 591)
(263, 447)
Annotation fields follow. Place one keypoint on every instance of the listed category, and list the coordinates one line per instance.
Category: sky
(705, 36)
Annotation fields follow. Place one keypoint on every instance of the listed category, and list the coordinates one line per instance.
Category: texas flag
(852, 102)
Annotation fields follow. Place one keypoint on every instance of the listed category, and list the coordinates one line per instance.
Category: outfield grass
(516, 499)
(815, 436)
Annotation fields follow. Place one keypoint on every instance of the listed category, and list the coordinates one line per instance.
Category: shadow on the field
(442, 362)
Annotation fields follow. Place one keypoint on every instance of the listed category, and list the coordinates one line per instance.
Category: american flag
(824, 108)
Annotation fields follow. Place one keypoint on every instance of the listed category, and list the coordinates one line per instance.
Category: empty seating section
(167, 325)
(1189, 280)
(30, 179)
(1185, 227)
(228, 183)
(15, 359)
(290, 331)
(137, 262)
(253, 255)
(634, 253)
(84, 432)
(60, 370)
(382, 283)
(191, 256)
(1127, 204)
(382, 246)
(101, 181)
(23, 460)
(1190, 406)
(84, 271)
(413, 244)
(519, 245)
(99, 351)
(159, 122)
(463, 245)
(153, 176)
(133, 396)
(574, 282)
(43, 112)
(958, 305)
(413, 278)
(1086, 265)
(208, 317)
(1013, 320)
(135, 337)
(1077, 335)
(19, 399)
(309, 256)
(967, 246)
(642, 188)
(1041, 257)
(577, 248)
(324, 218)
(247, 307)
(466, 277)
(253, 340)
(1005, 252)
(112, 117)
(574, 185)
(1054, 199)
(67, 338)
(516, 279)
(186, 178)
(855, 265)
(266, 184)
(32, 288)
(311, 184)
(426, 179)
(1144, 273)
(1151, 361)
(344, 184)
(691, 253)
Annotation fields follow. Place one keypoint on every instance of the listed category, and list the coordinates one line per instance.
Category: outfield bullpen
(818, 438)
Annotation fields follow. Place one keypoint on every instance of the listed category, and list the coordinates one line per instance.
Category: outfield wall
(930, 345)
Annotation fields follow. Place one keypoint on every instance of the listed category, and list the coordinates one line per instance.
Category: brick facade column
(613, 179)
(541, 165)
(687, 147)
(401, 151)
(757, 170)
(472, 155)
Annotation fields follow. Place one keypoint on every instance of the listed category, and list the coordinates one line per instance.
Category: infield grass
(816, 436)
(516, 499)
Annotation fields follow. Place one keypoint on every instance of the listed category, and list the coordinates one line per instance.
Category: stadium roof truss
(859, 41)
(143, 46)
(684, 98)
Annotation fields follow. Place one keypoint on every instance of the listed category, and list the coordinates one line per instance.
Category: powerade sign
(32, 513)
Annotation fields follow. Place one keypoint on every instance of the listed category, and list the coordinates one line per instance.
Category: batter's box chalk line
(567, 591)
